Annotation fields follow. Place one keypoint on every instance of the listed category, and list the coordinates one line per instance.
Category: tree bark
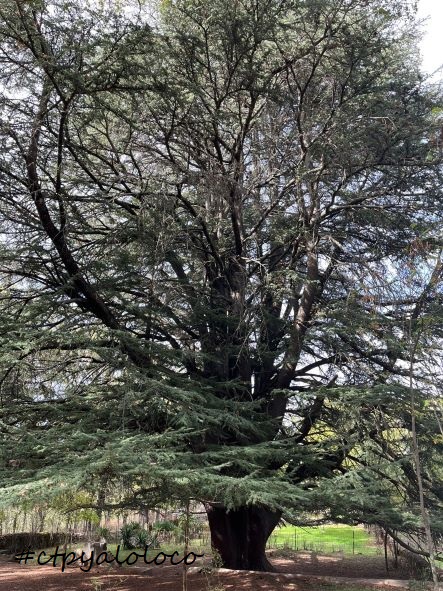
(240, 536)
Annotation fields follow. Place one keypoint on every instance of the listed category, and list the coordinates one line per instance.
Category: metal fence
(300, 541)
(350, 542)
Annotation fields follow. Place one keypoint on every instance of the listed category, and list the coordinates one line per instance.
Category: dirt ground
(336, 565)
(16, 577)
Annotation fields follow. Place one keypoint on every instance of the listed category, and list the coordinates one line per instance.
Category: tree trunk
(240, 536)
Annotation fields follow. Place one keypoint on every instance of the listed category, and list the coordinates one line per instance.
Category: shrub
(129, 534)
(134, 536)
(164, 526)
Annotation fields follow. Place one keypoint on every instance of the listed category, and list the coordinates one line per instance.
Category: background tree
(206, 213)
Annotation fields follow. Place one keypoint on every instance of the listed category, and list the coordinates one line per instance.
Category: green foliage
(164, 526)
(103, 532)
(134, 536)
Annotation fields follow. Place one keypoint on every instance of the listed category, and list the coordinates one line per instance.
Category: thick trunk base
(240, 536)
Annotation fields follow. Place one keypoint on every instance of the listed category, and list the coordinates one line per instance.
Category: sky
(432, 43)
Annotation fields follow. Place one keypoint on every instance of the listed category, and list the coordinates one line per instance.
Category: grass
(327, 539)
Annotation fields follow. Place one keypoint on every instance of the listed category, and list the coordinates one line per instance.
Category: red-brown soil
(16, 577)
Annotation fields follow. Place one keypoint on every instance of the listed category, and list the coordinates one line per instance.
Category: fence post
(186, 550)
(353, 541)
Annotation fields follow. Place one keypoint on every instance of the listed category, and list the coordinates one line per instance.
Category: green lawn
(327, 539)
